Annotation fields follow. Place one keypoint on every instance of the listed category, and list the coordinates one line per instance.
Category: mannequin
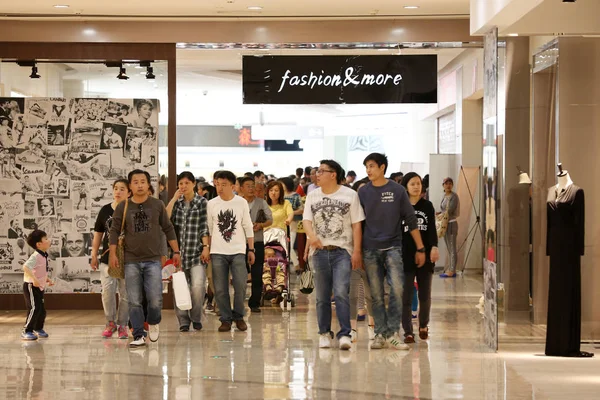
(565, 246)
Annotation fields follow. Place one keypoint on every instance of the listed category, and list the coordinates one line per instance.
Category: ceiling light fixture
(411, 7)
(255, 8)
(150, 73)
(61, 6)
(34, 72)
(513, 34)
(122, 73)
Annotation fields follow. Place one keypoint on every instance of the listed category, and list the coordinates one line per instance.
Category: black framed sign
(363, 79)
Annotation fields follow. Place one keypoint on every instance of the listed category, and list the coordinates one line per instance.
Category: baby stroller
(277, 240)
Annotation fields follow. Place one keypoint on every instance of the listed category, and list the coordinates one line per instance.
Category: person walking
(116, 318)
(188, 214)
(145, 219)
(426, 224)
(332, 220)
(231, 236)
(386, 205)
(261, 217)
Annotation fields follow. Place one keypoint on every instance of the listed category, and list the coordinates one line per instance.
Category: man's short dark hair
(337, 168)
(379, 159)
(288, 183)
(351, 173)
(246, 179)
(307, 170)
(228, 175)
(299, 172)
(249, 174)
(188, 175)
(258, 173)
(36, 237)
(139, 172)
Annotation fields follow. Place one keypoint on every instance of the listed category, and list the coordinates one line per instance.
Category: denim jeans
(222, 264)
(333, 269)
(196, 278)
(380, 265)
(144, 276)
(110, 287)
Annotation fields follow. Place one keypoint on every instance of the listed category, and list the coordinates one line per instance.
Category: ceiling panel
(238, 8)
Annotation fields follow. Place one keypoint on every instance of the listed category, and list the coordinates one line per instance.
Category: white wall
(14, 78)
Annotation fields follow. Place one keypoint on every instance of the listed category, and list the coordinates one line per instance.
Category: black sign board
(340, 79)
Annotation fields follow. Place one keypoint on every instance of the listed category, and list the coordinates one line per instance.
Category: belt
(331, 248)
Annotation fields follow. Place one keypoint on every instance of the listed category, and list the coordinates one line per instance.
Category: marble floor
(278, 358)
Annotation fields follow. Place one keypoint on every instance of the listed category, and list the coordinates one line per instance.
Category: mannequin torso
(564, 181)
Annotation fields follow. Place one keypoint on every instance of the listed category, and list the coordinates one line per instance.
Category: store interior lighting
(34, 72)
(122, 73)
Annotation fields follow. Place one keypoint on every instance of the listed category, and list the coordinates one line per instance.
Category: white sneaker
(378, 342)
(353, 335)
(345, 343)
(138, 341)
(324, 341)
(371, 332)
(153, 333)
(395, 343)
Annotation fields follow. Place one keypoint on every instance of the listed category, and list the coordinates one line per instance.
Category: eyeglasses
(322, 171)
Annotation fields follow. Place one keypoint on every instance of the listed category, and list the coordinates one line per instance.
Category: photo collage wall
(58, 160)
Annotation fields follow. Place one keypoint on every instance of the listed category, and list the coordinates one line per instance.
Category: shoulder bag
(441, 224)
(119, 271)
(307, 280)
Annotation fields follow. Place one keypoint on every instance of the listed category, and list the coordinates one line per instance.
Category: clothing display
(565, 246)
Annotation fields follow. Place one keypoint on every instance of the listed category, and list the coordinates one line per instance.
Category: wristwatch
(176, 252)
(252, 250)
(421, 250)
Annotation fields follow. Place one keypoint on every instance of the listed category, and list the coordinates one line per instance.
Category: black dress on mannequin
(565, 246)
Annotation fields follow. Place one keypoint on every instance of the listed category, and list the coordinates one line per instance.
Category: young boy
(36, 278)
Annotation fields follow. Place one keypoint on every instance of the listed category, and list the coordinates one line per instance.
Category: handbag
(181, 290)
(119, 271)
(307, 280)
(441, 224)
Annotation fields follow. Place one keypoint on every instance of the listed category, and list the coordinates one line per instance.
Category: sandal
(424, 333)
(409, 338)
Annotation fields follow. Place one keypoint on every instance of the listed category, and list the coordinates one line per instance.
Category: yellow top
(281, 212)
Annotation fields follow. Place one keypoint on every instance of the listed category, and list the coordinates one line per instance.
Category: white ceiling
(233, 8)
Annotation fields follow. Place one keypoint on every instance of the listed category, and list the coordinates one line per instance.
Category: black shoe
(184, 328)
(255, 309)
(197, 326)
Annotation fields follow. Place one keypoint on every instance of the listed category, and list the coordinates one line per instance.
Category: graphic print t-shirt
(103, 223)
(229, 225)
(332, 216)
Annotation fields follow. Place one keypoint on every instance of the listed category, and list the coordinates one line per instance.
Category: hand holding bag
(183, 299)
(441, 224)
(307, 280)
(119, 272)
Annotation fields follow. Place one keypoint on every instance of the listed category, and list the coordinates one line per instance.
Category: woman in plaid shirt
(187, 211)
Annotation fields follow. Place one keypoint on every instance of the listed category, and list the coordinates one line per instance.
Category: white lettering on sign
(349, 78)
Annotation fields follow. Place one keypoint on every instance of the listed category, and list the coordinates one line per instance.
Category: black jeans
(36, 311)
(424, 280)
(256, 271)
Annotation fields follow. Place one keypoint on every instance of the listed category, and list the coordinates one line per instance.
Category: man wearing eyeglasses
(146, 218)
(332, 221)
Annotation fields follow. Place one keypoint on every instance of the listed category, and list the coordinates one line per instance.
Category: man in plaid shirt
(187, 211)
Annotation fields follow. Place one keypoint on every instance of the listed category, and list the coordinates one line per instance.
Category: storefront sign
(340, 79)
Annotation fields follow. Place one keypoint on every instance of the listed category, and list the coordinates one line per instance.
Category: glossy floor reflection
(278, 358)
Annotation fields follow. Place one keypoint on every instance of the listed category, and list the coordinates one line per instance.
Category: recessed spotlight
(411, 7)
(61, 6)
(254, 8)
(513, 34)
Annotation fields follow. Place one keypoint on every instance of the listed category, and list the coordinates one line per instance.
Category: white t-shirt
(229, 225)
(332, 216)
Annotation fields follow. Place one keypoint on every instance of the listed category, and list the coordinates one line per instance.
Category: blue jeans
(196, 278)
(144, 276)
(332, 273)
(221, 265)
(380, 265)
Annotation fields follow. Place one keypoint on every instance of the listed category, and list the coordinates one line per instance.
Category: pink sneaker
(109, 330)
(123, 334)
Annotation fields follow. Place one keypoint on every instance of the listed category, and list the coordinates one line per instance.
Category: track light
(34, 72)
(150, 73)
(122, 73)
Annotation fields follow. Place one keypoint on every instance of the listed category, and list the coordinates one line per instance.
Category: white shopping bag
(183, 300)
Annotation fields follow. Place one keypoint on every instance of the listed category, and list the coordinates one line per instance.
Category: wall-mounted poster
(58, 160)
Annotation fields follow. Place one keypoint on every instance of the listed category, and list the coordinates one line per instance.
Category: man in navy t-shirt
(386, 205)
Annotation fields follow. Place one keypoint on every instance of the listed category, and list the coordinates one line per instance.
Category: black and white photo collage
(58, 160)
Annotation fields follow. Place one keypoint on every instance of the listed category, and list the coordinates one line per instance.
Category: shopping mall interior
(501, 96)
